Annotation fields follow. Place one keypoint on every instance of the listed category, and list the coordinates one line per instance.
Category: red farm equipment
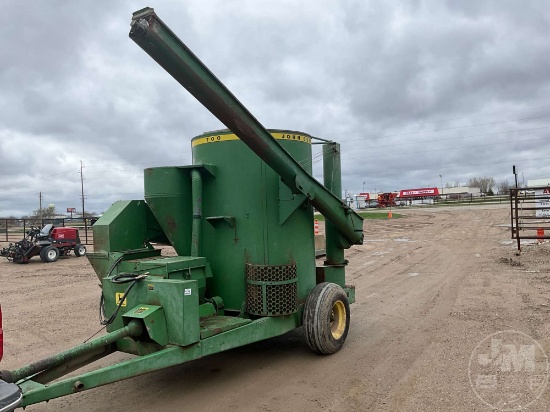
(1, 336)
(386, 199)
(50, 243)
(10, 395)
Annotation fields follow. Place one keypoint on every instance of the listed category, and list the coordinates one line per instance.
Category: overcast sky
(413, 90)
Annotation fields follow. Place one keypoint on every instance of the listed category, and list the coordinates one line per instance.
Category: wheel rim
(51, 254)
(338, 319)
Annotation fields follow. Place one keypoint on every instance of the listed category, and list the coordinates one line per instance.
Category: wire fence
(441, 200)
(13, 230)
(470, 198)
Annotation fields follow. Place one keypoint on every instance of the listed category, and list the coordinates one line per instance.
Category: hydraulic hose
(120, 278)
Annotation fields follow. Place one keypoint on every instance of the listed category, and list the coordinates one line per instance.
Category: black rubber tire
(79, 250)
(51, 253)
(322, 334)
(42, 256)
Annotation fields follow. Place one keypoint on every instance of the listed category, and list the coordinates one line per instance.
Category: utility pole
(40, 197)
(82, 188)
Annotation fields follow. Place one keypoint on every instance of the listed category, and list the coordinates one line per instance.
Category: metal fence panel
(526, 219)
(13, 230)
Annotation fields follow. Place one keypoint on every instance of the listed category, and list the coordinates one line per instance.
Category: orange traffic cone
(316, 227)
(389, 214)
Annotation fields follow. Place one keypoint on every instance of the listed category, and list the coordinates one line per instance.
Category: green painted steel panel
(248, 191)
(34, 393)
(126, 225)
(102, 262)
(153, 319)
(178, 298)
(168, 194)
(254, 331)
(172, 267)
(213, 325)
(122, 227)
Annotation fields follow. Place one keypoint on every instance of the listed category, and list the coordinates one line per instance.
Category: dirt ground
(430, 287)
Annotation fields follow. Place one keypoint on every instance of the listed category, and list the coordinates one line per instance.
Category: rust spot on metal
(247, 257)
(171, 223)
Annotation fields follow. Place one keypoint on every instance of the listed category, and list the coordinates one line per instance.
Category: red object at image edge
(1, 335)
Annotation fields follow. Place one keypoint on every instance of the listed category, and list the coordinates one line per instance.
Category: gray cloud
(372, 75)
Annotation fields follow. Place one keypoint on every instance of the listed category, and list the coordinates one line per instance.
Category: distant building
(538, 182)
(361, 200)
(418, 196)
(421, 196)
(460, 191)
(542, 196)
(364, 199)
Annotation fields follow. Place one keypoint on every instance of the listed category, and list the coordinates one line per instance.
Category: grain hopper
(240, 219)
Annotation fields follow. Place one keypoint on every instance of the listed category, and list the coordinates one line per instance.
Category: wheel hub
(338, 319)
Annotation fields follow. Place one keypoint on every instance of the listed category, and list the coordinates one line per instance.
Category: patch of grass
(368, 215)
(379, 215)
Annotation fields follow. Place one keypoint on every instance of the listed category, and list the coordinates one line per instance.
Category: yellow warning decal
(118, 297)
(225, 137)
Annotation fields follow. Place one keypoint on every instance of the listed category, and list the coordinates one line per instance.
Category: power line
(453, 119)
(447, 148)
(446, 128)
(115, 194)
(447, 166)
(46, 177)
(317, 157)
(455, 138)
(150, 160)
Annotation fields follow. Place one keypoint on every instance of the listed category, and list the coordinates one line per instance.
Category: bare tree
(44, 213)
(485, 184)
(503, 187)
